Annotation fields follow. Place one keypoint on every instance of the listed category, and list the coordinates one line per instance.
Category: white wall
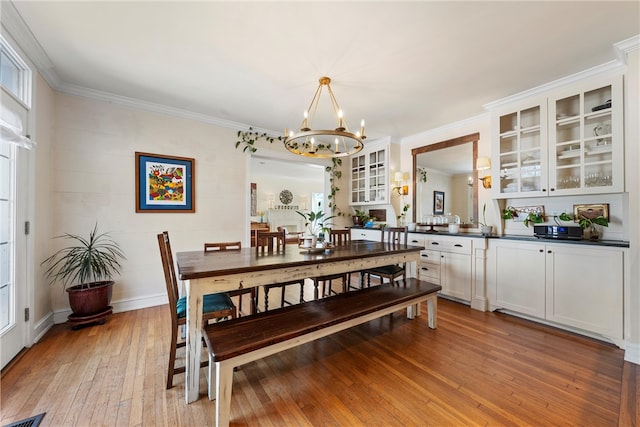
(93, 181)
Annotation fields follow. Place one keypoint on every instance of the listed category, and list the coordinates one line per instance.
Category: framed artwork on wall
(438, 202)
(164, 183)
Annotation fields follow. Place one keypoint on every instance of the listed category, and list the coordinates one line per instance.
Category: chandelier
(324, 143)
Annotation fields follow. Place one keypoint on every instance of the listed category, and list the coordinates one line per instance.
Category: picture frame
(590, 211)
(438, 202)
(164, 183)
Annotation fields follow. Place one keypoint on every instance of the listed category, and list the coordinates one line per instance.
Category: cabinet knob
(544, 189)
(549, 251)
(540, 250)
(552, 189)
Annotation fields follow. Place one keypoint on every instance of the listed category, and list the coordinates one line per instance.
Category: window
(15, 76)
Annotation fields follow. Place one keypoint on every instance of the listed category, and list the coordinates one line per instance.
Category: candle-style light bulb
(305, 121)
(337, 148)
(340, 120)
(362, 128)
(313, 149)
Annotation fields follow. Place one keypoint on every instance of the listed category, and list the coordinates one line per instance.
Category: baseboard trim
(42, 326)
(61, 316)
(632, 353)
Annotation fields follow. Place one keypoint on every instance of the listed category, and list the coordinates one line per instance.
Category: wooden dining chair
(215, 306)
(234, 246)
(273, 242)
(337, 238)
(395, 236)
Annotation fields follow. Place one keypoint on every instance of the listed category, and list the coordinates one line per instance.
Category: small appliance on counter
(573, 232)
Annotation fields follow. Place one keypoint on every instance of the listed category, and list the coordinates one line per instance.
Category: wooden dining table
(223, 271)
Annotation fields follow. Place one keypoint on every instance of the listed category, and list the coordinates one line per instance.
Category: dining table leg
(194, 343)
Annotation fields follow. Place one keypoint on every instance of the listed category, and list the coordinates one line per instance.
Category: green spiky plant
(85, 260)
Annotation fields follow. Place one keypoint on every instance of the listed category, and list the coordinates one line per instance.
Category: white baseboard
(632, 353)
(42, 326)
(61, 316)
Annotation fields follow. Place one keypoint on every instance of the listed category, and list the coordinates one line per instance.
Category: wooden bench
(246, 339)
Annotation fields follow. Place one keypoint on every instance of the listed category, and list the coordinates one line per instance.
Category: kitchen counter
(586, 242)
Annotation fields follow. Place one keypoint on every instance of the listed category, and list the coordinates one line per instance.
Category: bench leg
(224, 382)
(211, 384)
(432, 308)
(413, 311)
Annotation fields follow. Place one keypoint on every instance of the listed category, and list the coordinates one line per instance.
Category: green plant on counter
(533, 218)
(509, 213)
(562, 217)
(585, 222)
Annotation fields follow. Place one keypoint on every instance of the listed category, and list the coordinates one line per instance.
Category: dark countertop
(533, 239)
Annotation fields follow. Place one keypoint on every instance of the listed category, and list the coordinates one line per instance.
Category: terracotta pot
(90, 298)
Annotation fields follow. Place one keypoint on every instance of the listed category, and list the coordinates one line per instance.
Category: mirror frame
(471, 138)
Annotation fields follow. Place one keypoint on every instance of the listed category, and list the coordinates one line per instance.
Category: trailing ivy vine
(248, 139)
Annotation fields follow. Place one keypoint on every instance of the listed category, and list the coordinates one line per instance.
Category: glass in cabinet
(585, 139)
(369, 176)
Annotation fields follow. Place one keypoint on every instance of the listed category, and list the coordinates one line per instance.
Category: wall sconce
(482, 164)
(401, 187)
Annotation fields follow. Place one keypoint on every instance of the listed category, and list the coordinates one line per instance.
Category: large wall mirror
(451, 180)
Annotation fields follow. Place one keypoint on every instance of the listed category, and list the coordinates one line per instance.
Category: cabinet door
(584, 288)
(520, 147)
(358, 179)
(520, 278)
(455, 275)
(370, 176)
(585, 138)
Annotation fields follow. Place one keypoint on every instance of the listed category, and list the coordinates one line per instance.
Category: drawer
(432, 257)
(459, 246)
(429, 272)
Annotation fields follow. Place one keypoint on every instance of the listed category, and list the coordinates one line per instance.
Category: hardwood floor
(475, 369)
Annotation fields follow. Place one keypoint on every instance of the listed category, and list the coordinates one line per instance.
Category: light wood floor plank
(475, 369)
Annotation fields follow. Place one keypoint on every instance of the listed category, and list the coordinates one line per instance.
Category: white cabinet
(447, 261)
(520, 277)
(574, 285)
(520, 147)
(584, 288)
(566, 143)
(585, 139)
(374, 234)
(370, 176)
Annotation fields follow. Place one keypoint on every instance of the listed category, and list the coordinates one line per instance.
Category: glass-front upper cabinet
(520, 141)
(585, 139)
(370, 176)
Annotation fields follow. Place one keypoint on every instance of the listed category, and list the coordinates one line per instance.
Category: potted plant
(509, 213)
(485, 229)
(86, 267)
(316, 223)
(589, 224)
(533, 218)
(360, 218)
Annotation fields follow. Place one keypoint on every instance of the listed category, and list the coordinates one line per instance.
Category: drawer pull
(458, 245)
(435, 243)
(414, 241)
(425, 269)
(424, 256)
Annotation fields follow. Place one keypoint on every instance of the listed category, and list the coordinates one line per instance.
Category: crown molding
(20, 32)
(137, 104)
(625, 47)
(471, 121)
(615, 65)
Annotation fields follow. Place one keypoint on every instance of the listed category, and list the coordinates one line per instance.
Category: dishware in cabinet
(370, 175)
(520, 141)
(585, 138)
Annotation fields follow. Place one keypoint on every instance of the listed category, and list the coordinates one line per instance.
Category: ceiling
(405, 67)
